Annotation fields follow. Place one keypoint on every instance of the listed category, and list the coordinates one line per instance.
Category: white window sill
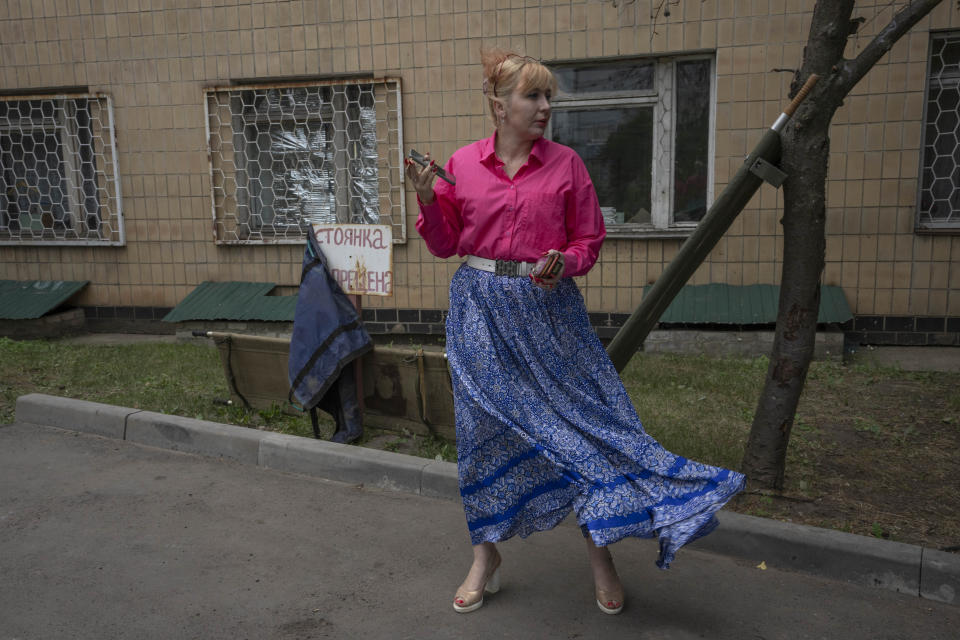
(647, 232)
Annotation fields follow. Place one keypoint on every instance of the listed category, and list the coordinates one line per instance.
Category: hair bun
(492, 58)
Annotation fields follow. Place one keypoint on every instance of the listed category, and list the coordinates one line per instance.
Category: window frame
(662, 224)
(82, 181)
(932, 227)
(242, 157)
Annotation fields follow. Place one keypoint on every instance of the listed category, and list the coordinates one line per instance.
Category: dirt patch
(874, 456)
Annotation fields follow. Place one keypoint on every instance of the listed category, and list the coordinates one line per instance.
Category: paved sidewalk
(102, 538)
(859, 560)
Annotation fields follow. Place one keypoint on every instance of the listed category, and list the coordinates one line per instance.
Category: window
(643, 128)
(58, 174)
(939, 198)
(284, 157)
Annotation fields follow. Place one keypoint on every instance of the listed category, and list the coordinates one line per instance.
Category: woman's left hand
(550, 282)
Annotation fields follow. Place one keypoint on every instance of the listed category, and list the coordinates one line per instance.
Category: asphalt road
(104, 539)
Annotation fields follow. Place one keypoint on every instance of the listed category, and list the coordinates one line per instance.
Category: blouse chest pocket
(543, 216)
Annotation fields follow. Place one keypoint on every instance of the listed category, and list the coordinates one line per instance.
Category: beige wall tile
(155, 64)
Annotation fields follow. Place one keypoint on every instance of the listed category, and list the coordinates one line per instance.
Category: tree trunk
(806, 151)
(806, 147)
(804, 222)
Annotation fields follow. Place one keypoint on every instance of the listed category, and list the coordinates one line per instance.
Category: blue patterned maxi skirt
(544, 425)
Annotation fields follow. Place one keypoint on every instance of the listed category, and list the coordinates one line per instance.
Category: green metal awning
(234, 301)
(744, 305)
(29, 299)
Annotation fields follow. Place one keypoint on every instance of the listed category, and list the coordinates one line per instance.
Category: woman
(544, 425)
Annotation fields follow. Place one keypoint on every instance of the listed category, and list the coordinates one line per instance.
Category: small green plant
(437, 448)
(904, 435)
(272, 415)
(393, 445)
(867, 426)
(849, 527)
(799, 424)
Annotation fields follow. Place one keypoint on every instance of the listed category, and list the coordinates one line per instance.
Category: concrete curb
(193, 436)
(342, 462)
(910, 569)
(77, 415)
(865, 561)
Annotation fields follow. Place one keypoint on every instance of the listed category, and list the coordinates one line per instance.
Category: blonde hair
(504, 71)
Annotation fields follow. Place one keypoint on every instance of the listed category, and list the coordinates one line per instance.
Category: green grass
(698, 406)
(179, 379)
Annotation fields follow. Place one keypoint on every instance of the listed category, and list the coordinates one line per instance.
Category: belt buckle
(509, 268)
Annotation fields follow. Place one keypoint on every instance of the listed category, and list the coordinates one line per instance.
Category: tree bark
(806, 149)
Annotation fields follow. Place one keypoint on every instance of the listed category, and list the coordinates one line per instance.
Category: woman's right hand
(422, 178)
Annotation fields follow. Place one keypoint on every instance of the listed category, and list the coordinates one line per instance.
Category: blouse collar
(489, 157)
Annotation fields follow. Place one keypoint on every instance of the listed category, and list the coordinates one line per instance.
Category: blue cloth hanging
(327, 337)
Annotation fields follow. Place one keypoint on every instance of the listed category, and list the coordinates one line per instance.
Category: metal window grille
(58, 171)
(939, 197)
(283, 157)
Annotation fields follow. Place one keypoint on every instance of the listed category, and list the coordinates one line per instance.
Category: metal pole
(695, 249)
(358, 363)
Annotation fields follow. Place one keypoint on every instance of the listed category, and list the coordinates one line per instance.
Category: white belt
(501, 267)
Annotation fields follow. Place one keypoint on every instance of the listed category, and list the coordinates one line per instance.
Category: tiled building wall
(155, 57)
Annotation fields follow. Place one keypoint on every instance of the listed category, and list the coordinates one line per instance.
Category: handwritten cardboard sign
(359, 256)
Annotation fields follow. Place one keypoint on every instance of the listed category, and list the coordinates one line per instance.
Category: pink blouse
(549, 204)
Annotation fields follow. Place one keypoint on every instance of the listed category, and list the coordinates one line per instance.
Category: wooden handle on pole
(802, 94)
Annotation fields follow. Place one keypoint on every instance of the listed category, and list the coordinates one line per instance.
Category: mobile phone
(551, 266)
(420, 160)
